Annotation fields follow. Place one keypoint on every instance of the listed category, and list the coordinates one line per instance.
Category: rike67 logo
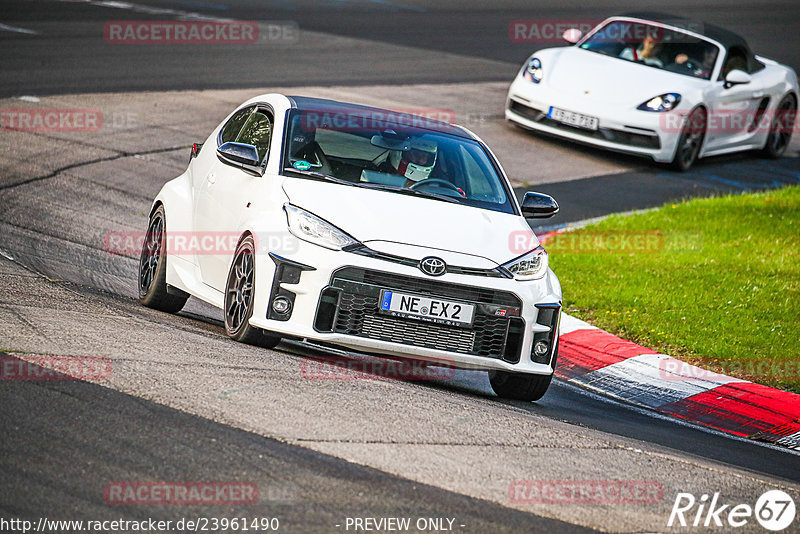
(774, 510)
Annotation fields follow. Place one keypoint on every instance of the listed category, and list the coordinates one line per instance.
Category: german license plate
(426, 308)
(572, 118)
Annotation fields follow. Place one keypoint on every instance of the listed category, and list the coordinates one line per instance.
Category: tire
(690, 141)
(780, 129)
(239, 297)
(152, 280)
(518, 386)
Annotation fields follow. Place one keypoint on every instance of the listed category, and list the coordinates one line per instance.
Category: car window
(257, 131)
(655, 47)
(400, 154)
(737, 59)
(234, 125)
(476, 180)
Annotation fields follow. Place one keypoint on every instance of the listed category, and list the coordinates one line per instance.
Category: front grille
(526, 111)
(622, 137)
(357, 314)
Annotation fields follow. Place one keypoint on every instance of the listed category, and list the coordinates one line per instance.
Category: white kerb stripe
(570, 324)
(653, 380)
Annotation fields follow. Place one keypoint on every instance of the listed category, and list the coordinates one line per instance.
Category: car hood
(392, 222)
(581, 73)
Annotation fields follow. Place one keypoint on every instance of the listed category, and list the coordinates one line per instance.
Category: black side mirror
(241, 155)
(538, 206)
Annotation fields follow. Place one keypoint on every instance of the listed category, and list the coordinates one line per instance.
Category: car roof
(724, 37)
(415, 121)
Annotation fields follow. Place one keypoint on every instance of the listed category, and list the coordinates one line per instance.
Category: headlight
(530, 266)
(665, 102)
(533, 70)
(309, 227)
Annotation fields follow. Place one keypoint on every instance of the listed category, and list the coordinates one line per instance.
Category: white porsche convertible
(377, 231)
(659, 86)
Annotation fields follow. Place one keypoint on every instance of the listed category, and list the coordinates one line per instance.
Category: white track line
(6, 27)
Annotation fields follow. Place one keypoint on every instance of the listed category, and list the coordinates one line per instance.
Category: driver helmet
(416, 160)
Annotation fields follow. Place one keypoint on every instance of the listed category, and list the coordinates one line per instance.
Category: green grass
(719, 285)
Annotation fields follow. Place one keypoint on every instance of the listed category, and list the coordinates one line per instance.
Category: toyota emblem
(433, 266)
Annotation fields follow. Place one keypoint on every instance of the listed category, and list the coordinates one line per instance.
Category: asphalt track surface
(319, 452)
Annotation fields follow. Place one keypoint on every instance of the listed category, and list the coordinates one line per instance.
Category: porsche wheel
(239, 297)
(153, 291)
(690, 141)
(780, 129)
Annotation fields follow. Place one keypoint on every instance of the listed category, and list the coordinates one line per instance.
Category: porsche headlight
(309, 227)
(530, 266)
(665, 102)
(533, 70)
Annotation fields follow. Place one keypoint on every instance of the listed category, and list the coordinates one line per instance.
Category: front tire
(519, 386)
(153, 291)
(691, 141)
(239, 298)
(780, 128)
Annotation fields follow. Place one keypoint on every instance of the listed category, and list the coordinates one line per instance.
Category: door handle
(211, 178)
(758, 94)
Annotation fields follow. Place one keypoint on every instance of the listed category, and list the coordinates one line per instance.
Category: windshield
(392, 152)
(655, 47)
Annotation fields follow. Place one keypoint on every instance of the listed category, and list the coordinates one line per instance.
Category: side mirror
(538, 206)
(572, 35)
(737, 77)
(242, 156)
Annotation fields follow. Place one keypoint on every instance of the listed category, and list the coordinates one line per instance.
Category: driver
(706, 66)
(646, 53)
(416, 162)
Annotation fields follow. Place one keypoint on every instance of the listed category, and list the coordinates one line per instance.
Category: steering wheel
(439, 182)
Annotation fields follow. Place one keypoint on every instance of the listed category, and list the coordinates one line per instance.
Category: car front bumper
(621, 128)
(335, 298)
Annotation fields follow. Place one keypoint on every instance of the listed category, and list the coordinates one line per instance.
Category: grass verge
(714, 281)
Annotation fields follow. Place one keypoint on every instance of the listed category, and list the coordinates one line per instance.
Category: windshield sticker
(301, 165)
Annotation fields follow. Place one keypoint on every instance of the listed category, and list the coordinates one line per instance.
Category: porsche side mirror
(737, 77)
(242, 156)
(538, 206)
(572, 35)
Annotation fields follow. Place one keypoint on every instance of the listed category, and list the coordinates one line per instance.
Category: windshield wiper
(414, 192)
(320, 175)
(367, 185)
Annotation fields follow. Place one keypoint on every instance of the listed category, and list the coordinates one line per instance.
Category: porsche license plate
(426, 308)
(572, 118)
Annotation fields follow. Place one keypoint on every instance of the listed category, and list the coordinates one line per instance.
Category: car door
(734, 110)
(224, 196)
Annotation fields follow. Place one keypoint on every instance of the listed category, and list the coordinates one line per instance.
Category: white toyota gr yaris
(380, 232)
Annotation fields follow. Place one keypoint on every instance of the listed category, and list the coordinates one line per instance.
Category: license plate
(572, 118)
(426, 308)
